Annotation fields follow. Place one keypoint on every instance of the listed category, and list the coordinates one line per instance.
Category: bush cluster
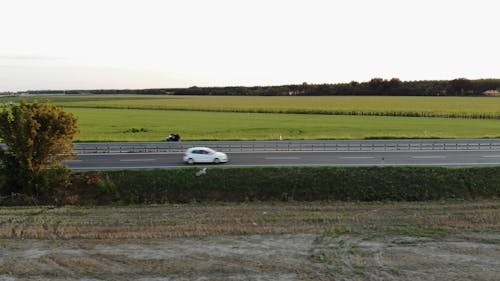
(136, 130)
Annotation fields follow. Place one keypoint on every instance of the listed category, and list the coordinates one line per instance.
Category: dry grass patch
(255, 241)
(163, 221)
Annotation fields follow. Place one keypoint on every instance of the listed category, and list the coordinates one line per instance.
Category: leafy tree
(38, 137)
(376, 84)
(460, 86)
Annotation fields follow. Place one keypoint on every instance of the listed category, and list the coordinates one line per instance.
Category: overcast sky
(102, 44)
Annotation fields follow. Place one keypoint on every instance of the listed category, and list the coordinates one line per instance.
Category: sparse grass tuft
(336, 232)
(431, 233)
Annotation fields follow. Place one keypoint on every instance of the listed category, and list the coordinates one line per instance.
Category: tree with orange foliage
(37, 138)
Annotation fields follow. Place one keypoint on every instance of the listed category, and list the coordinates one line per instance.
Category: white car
(204, 155)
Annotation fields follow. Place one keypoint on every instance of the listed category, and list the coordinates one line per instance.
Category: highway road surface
(109, 161)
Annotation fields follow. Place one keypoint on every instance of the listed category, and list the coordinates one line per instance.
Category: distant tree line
(374, 87)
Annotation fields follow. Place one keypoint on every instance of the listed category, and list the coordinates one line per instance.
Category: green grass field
(118, 125)
(152, 118)
(463, 107)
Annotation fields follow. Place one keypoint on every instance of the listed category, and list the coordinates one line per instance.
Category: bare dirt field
(253, 241)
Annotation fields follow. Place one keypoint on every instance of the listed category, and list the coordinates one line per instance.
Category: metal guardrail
(319, 145)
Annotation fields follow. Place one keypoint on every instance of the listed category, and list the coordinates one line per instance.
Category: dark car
(173, 137)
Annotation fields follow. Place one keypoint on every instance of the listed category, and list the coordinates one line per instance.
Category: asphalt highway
(110, 161)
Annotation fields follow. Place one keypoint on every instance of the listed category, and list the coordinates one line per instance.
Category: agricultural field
(155, 125)
(253, 241)
(152, 118)
(463, 107)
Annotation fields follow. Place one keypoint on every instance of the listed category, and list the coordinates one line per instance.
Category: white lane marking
(281, 165)
(282, 158)
(359, 157)
(491, 156)
(73, 160)
(429, 157)
(137, 160)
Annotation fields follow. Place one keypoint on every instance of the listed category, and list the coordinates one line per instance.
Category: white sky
(102, 44)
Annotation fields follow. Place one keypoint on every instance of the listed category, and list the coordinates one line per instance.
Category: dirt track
(430, 241)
